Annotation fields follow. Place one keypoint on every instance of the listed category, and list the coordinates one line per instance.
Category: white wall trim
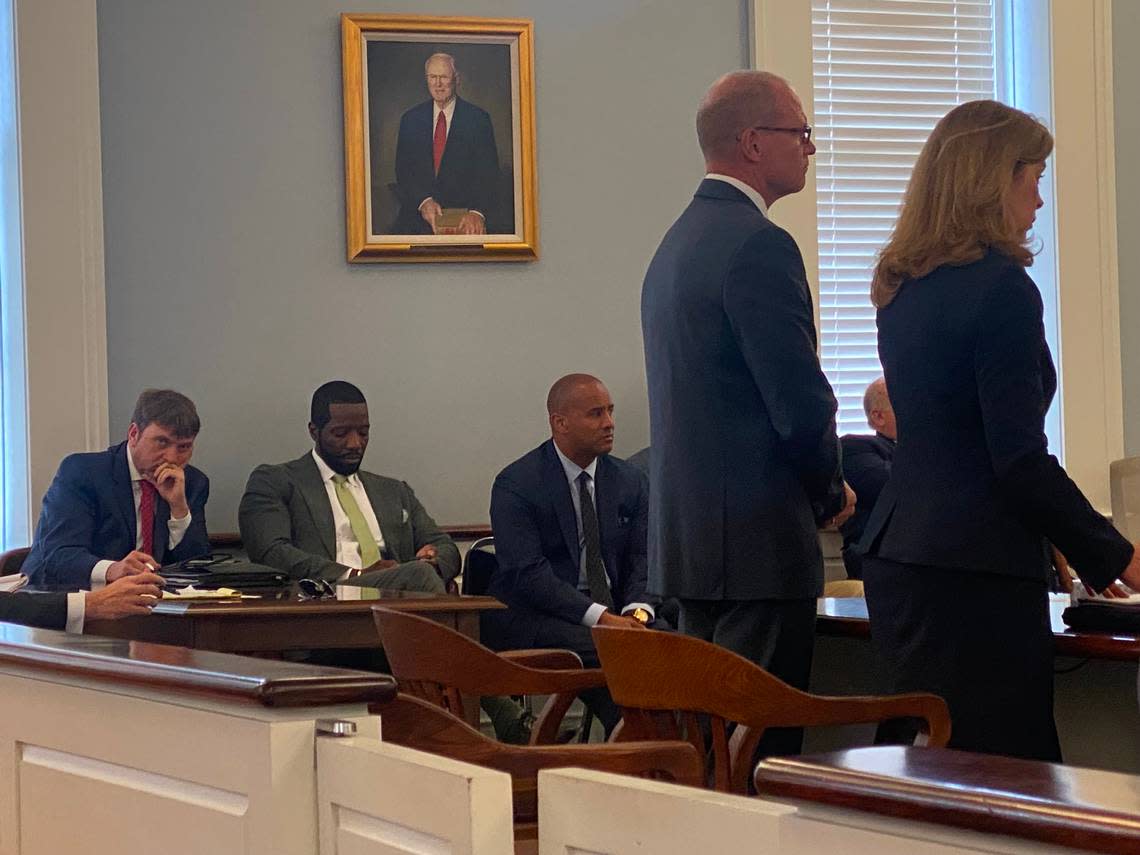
(780, 42)
(1084, 166)
(57, 64)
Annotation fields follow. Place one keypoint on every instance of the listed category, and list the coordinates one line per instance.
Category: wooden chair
(419, 724)
(665, 682)
(437, 664)
(12, 560)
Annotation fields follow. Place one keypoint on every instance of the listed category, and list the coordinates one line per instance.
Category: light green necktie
(369, 551)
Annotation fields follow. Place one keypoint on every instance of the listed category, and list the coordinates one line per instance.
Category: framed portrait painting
(439, 138)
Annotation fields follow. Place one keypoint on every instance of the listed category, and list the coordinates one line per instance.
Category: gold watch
(641, 616)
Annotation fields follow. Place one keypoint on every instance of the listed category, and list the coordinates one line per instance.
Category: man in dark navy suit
(867, 467)
(744, 459)
(129, 509)
(569, 523)
(445, 157)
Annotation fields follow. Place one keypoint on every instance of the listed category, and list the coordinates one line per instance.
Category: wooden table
(848, 617)
(280, 622)
(1043, 802)
(1094, 686)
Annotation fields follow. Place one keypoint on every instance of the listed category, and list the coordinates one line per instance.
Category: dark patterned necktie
(146, 517)
(595, 569)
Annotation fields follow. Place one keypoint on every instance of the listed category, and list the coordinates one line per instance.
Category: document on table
(192, 593)
(14, 582)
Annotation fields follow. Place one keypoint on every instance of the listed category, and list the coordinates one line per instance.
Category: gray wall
(1126, 106)
(224, 220)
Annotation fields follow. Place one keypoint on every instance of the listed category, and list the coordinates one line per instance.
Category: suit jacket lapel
(389, 513)
(317, 498)
(555, 475)
(123, 491)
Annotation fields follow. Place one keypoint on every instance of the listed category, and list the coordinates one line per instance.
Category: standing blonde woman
(957, 546)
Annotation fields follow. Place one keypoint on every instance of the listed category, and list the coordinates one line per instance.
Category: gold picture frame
(464, 133)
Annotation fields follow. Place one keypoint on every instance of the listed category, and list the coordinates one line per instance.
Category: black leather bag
(1103, 617)
(222, 572)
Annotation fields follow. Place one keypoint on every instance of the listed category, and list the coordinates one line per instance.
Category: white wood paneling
(380, 799)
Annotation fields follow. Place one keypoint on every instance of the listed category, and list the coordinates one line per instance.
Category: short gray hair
(876, 398)
(736, 101)
(446, 56)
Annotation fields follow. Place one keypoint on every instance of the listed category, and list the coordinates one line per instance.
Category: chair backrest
(12, 560)
(671, 686)
(479, 564)
(1124, 490)
(439, 665)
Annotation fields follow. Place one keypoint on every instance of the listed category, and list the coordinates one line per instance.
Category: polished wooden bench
(1044, 802)
(181, 670)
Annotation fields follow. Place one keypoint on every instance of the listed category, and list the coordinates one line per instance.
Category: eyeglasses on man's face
(804, 132)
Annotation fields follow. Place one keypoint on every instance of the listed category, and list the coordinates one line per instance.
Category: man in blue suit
(744, 458)
(445, 158)
(129, 509)
(569, 523)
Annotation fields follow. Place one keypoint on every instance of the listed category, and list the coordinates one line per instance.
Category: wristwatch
(641, 616)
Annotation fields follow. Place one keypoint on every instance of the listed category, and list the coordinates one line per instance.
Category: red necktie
(146, 516)
(439, 141)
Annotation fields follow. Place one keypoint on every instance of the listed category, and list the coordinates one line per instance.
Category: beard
(340, 465)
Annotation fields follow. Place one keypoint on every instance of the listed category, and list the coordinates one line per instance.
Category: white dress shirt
(177, 528)
(750, 192)
(573, 471)
(347, 546)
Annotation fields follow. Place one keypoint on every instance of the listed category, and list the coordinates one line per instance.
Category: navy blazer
(745, 460)
(536, 534)
(866, 468)
(88, 515)
(43, 610)
(468, 172)
(973, 486)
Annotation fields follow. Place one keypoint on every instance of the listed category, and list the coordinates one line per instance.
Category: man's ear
(133, 434)
(314, 432)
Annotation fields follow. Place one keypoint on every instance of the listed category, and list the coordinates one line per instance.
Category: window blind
(884, 72)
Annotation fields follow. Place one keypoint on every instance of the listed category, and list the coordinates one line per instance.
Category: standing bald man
(569, 523)
(744, 458)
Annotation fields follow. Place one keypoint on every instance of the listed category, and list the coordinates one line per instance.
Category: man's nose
(354, 440)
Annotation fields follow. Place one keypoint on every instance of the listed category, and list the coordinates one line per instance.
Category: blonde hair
(954, 209)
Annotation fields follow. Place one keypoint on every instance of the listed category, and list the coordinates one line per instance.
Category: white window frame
(56, 163)
(1085, 181)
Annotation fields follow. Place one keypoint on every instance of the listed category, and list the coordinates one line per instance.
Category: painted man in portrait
(446, 162)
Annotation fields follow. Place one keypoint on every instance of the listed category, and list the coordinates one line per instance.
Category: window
(14, 522)
(884, 72)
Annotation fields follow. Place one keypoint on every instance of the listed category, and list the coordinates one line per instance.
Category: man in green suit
(322, 517)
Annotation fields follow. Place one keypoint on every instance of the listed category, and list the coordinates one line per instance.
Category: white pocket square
(405, 513)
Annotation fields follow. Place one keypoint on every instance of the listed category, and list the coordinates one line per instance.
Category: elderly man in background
(867, 466)
(445, 158)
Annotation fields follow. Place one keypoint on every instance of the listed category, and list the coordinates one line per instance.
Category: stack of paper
(1082, 597)
(15, 582)
(192, 593)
